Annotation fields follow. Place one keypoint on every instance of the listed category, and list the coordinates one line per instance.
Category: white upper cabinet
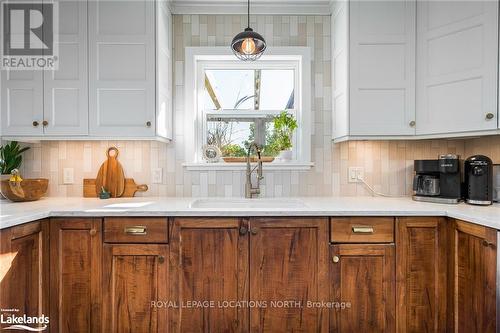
(21, 102)
(457, 52)
(164, 106)
(65, 89)
(374, 68)
(122, 68)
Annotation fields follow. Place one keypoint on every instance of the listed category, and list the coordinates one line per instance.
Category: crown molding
(274, 7)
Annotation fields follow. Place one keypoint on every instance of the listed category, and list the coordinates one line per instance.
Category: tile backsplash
(388, 164)
(388, 167)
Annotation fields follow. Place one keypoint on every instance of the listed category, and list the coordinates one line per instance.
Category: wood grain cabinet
(362, 274)
(135, 275)
(265, 261)
(75, 274)
(288, 262)
(421, 271)
(472, 278)
(24, 268)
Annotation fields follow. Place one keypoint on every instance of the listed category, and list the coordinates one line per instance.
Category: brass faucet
(250, 191)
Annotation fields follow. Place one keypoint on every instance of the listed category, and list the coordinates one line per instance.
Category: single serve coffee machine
(438, 180)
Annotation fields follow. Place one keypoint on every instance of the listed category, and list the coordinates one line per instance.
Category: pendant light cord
(248, 13)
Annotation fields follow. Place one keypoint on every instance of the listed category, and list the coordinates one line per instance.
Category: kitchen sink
(247, 203)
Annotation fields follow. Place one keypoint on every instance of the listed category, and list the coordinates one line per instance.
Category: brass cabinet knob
(92, 232)
(148, 123)
(490, 116)
(161, 259)
(45, 123)
(335, 259)
(243, 230)
(412, 123)
(254, 231)
(35, 123)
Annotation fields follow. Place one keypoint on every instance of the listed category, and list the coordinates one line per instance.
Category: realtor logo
(29, 35)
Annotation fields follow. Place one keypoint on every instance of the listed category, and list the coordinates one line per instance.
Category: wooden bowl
(27, 190)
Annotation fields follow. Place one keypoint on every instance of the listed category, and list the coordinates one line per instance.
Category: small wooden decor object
(90, 188)
(110, 175)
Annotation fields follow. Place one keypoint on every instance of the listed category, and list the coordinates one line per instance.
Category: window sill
(242, 166)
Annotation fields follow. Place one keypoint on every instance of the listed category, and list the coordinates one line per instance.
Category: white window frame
(197, 59)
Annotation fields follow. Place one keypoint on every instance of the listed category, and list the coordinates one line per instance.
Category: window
(235, 102)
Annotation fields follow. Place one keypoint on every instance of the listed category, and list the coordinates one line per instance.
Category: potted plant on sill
(284, 126)
(10, 158)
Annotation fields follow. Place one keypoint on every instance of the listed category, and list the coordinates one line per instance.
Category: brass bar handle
(135, 230)
(362, 230)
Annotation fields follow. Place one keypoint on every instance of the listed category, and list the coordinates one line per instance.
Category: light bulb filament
(248, 46)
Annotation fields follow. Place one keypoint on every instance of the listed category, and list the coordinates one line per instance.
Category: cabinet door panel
(24, 268)
(421, 274)
(382, 67)
(457, 54)
(363, 275)
(472, 278)
(122, 68)
(135, 276)
(75, 276)
(65, 89)
(209, 260)
(21, 102)
(288, 262)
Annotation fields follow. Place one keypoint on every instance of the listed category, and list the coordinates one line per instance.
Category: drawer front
(135, 230)
(362, 230)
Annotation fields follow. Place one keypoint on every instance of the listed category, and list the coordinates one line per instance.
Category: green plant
(233, 150)
(10, 157)
(284, 125)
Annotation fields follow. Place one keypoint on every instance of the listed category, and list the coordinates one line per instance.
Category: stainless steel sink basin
(247, 203)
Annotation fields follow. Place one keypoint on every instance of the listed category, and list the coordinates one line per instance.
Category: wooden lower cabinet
(209, 258)
(363, 276)
(135, 275)
(24, 269)
(289, 263)
(75, 275)
(421, 270)
(472, 278)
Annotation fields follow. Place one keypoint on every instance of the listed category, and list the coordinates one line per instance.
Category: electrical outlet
(68, 176)
(356, 173)
(157, 176)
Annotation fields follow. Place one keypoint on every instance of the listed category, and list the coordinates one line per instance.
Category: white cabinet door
(65, 89)
(340, 68)
(122, 68)
(21, 103)
(457, 52)
(382, 68)
(163, 70)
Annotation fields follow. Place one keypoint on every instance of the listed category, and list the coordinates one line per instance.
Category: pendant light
(248, 45)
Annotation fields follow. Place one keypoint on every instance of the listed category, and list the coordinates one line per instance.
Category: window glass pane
(277, 89)
(232, 89)
(233, 136)
(245, 89)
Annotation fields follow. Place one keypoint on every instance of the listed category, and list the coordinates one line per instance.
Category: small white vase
(285, 155)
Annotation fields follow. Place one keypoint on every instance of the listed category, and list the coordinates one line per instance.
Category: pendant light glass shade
(248, 45)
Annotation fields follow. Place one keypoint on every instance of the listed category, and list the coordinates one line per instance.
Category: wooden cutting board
(110, 175)
(90, 189)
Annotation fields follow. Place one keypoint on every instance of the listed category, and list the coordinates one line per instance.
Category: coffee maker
(478, 180)
(438, 180)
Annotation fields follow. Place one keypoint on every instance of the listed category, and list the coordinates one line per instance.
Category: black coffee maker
(478, 180)
(438, 180)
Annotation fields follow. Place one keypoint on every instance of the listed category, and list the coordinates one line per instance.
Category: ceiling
(284, 7)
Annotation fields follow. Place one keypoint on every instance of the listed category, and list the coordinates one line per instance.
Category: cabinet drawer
(362, 230)
(135, 230)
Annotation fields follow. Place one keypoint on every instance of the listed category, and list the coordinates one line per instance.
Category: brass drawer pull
(135, 230)
(362, 230)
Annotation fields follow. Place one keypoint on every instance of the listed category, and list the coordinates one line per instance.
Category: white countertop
(12, 214)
